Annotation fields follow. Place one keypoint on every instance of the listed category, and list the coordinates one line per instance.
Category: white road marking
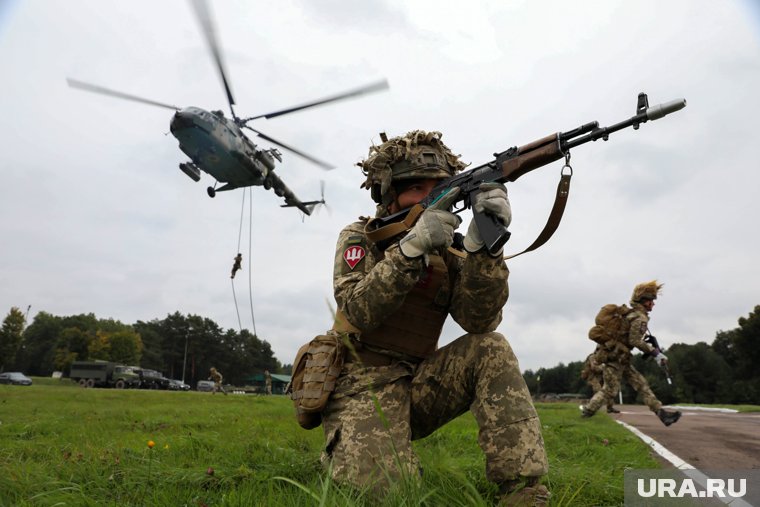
(705, 409)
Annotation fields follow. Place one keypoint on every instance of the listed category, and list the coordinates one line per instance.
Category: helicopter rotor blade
(121, 95)
(371, 88)
(323, 165)
(203, 14)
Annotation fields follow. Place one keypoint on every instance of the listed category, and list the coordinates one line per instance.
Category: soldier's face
(412, 194)
(648, 304)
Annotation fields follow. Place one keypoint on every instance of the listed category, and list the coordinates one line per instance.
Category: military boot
(612, 410)
(585, 412)
(668, 417)
(529, 494)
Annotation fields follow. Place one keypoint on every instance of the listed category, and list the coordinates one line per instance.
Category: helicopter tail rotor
(322, 203)
(313, 206)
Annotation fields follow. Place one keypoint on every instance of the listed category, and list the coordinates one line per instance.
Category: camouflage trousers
(376, 412)
(613, 374)
(596, 382)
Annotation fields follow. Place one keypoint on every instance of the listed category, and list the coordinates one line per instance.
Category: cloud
(97, 217)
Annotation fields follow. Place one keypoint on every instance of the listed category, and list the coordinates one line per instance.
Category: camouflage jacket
(370, 285)
(638, 321)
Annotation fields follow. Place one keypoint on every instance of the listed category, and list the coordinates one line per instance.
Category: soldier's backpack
(611, 324)
(315, 370)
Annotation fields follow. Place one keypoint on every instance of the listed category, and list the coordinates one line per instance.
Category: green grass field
(63, 445)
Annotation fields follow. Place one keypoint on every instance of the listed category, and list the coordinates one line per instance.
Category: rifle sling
(552, 223)
(394, 229)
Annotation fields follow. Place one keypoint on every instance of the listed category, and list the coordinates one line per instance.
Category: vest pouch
(315, 371)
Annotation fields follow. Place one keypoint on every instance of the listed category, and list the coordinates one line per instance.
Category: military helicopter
(216, 143)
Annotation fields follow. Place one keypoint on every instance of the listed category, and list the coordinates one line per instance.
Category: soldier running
(616, 358)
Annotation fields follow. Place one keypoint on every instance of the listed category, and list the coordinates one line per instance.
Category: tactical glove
(660, 359)
(492, 200)
(434, 229)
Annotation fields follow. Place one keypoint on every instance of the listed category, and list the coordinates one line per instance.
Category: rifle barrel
(651, 113)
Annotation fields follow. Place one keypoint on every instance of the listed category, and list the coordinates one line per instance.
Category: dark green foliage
(238, 355)
(559, 379)
(37, 353)
(51, 343)
(10, 336)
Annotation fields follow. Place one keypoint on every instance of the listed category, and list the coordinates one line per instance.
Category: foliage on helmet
(646, 290)
(417, 154)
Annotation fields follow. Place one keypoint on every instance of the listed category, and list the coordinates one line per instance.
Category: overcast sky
(95, 215)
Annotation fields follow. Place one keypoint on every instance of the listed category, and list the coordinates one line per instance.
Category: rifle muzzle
(660, 110)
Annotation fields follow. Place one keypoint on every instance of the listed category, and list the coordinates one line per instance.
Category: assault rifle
(510, 165)
(651, 340)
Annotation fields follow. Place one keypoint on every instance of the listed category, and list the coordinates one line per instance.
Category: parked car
(178, 385)
(205, 385)
(16, 378)
(152, 379)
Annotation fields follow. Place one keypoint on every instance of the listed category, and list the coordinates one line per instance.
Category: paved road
(705, 440)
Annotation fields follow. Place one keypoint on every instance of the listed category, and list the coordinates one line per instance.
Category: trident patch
(353, 255)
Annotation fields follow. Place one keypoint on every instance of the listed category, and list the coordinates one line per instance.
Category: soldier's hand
(491, 200)
(434, 229)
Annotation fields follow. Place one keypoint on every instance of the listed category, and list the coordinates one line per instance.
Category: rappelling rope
(250, 255)
(250, 252)
(232, 280)
(240, 324)
(240, 229)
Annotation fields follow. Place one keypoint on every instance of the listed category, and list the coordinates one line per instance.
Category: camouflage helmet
(417, 154)
(646, 291)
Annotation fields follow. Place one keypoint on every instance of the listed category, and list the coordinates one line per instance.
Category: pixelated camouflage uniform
(593, 374)
(477, 372)
(617, 365)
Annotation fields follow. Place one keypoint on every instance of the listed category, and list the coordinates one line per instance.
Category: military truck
(103, 374)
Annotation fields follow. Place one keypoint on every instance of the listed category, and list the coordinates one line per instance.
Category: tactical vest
(415, 327)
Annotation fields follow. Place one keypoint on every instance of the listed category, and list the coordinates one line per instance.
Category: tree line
(176, 345)
(724, 371)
